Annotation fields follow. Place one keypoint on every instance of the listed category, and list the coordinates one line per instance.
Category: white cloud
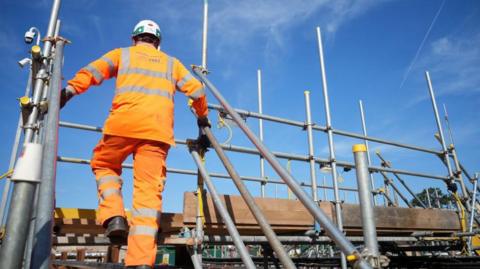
(237, 24)
(454, 65)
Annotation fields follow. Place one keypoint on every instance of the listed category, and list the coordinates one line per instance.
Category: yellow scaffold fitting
(359, 148)
(8, 173)
(24, 101)
(352, 257)
(36, 52)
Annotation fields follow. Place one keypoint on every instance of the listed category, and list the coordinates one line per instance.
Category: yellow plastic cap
(359, 148)
(24, 100)
(35, 49)
(351, 257)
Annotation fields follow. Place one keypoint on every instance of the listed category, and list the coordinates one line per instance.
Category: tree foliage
(442, 198)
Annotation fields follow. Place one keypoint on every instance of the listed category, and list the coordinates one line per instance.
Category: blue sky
(370, 52)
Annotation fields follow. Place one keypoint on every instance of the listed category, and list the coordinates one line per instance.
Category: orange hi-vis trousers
(149, 172)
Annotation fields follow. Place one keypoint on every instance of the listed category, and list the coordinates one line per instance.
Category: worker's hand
(203, 122)
(66, 94)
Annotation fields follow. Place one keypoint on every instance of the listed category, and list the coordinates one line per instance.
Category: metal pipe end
(359, 148)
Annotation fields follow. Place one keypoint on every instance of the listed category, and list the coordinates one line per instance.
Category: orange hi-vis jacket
(144, 91)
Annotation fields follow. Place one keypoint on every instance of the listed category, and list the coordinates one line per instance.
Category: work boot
(140, 267)
(116, 230)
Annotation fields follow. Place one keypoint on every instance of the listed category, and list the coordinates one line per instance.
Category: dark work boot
(117, 230)
(140, 267)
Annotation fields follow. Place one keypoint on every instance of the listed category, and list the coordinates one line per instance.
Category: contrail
(405, 76)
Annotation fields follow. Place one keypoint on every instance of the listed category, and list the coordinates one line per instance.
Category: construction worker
(140, 123)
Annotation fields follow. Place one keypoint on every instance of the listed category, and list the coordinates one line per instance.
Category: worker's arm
(95, 72)
(191, 87)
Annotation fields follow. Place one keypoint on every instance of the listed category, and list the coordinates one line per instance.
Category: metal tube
(194, 173)
(458, 172)
(249, 200)
(332, 162)
(325, 198)
(428, 198)
(13, 245)
(260, 130)
(437, 198)
(45, 207)
(324, 129)
(205, 34)
(458, 169)
(232, 230)
(281, 155)
(366, 201)
(439, 127)
(364, 128)
(31, 234)
(389, 199)
(13, 248)
(13, 155)
(387, 192)
(387, 164)
(311, 152)
(318, 214)
(472, 214)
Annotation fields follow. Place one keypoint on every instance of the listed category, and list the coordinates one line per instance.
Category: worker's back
(143, 103)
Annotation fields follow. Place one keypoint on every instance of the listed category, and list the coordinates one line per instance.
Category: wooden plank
(281, 212)
(411, 219)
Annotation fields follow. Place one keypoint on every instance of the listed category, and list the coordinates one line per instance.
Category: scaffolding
(329, 238)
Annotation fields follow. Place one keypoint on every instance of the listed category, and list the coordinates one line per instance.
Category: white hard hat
(147, 27)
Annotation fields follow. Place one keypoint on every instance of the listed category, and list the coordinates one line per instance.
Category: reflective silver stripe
(111, 66)
(184, 80)
(170, 69)
(143, 230)
(146, 212)
(97, 75)
(141, 71)
(197, 94)
(125, 58)
(106, 179)
(140, 89)
(111, 191)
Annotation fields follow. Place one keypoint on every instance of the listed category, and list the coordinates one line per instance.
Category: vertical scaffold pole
(311, 153)
(205, 34)
(366, 203)
(46, 199)
(472, 213)
(451, 180)
(428, 198)
(333, 232)
(364, 128)
(232, 230)
(333, 163)
(260, 131)
(200, 218)
(13, 156)
(11, 253)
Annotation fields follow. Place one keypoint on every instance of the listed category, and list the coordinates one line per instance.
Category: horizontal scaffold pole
(282, 155)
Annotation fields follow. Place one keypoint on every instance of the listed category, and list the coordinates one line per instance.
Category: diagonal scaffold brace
(194, 149)
(249, 200)
(331, 230)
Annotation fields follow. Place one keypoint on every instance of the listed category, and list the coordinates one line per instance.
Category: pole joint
(55, 39)
(200, 69)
